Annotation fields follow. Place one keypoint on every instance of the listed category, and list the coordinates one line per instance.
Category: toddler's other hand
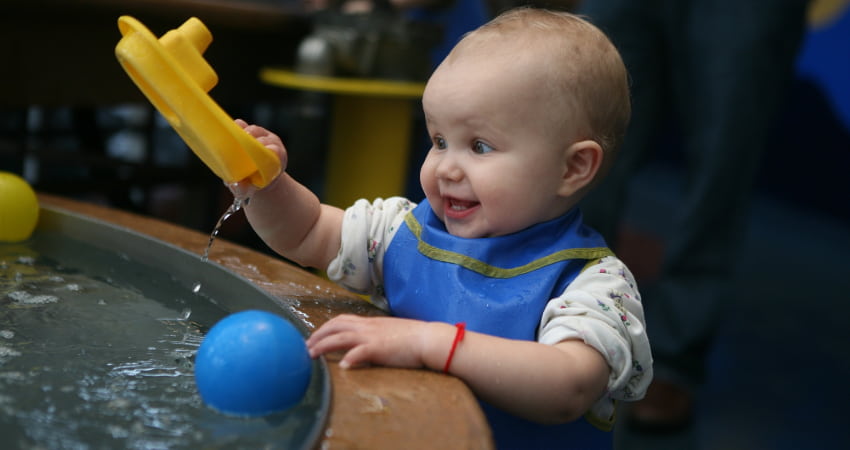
(387, 341)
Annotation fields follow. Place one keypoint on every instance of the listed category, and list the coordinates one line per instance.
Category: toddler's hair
(585, 71)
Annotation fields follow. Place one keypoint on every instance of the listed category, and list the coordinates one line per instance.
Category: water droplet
(196, 287)
(239, 198)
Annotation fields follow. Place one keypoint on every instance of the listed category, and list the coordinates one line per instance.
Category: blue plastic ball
(252, 363)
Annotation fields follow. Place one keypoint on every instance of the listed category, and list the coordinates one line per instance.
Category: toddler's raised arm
(289, 217)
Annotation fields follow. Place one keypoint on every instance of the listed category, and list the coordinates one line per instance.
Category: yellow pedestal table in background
(370, 132)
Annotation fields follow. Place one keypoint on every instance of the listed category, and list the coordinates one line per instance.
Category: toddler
(492, 277)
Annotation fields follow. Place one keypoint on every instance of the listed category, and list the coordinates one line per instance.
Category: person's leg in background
(729, 64)
(729, 87)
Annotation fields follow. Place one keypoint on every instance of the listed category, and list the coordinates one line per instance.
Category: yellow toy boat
(175, 77)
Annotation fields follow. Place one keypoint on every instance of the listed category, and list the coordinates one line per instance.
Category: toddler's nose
(449, 168)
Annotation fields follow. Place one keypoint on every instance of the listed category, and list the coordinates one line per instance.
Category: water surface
(96, 351)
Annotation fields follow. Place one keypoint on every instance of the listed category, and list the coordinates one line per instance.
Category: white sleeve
(603, 308)
(367, 230)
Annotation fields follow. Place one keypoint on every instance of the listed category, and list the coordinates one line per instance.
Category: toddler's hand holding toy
(245, 188)
(270, 140)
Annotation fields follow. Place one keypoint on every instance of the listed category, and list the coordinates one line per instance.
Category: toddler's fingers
(334, 325)
(343, 340)
(355, 358)
(254, 130)
(320, 333)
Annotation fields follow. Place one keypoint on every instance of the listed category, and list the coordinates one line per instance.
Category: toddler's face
(496, 162)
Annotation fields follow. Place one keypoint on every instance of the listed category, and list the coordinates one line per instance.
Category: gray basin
(98, 330)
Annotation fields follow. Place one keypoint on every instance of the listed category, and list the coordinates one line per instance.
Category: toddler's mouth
(456, 208)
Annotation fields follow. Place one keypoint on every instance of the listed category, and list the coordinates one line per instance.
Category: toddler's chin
(462, 231)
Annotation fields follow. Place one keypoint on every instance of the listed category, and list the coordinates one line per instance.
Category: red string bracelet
(461, 330)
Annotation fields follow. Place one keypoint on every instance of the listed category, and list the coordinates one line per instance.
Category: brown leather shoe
(666, 408)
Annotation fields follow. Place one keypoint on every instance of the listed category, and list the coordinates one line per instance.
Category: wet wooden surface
(372, 408)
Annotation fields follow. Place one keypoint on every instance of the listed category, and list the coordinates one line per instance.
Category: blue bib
(498, 286)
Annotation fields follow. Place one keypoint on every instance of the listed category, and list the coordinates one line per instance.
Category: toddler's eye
(481, 147)
(440, 142)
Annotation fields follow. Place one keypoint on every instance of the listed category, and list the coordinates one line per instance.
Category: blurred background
(73, 124)
(782, 351)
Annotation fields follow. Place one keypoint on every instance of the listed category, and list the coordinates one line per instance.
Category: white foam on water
(7, 353)
(28, 260)
(25, 298)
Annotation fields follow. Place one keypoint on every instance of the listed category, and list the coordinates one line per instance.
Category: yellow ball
(18, 208)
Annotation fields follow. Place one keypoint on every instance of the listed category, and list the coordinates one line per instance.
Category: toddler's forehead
(523, 69)
(501, 93)
(484, 74)
(493, 43)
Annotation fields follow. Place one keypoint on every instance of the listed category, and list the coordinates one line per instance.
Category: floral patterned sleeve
(603, 308)
(367, 229)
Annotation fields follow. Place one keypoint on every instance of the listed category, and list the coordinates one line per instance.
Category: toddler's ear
(582, 160)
